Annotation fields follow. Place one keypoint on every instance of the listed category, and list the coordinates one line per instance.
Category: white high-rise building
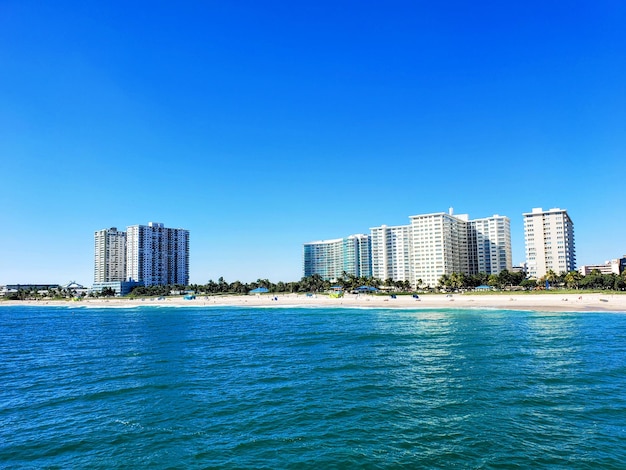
(441, 243)
(110, 255)
(156, 255)
(549, 240)
(359, 248)
(490, 245)
(440, 246)
(331, 258)
(391, 252)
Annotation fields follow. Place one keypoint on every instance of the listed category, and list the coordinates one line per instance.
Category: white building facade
(614, 266)
(109, 255)
(391, 252)
(156, 255)
(441, 243)
(490, 245)
(359, 248)
(549, 242)
(440, 246)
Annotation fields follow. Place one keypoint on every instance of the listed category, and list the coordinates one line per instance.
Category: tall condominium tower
(441, 243)
(549, 240)
(359, 248)
(439, 246)
(330, 258)
(110, 255)
(156, 255)
(391, 252)
(490, 245)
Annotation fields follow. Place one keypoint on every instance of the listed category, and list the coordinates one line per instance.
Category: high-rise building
(331, 258)
(440, 246)
(441, 243)
(549, 240)
(156, 255)
(110, 255)
(358, 248)
(391, 252)
(490, 245)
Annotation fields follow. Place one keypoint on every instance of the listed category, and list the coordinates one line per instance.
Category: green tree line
(506, 279)
(455, 281)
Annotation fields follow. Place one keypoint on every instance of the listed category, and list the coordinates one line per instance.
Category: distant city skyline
(260, 126)
(95, 267)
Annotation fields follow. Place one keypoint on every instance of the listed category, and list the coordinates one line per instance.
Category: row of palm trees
(468, 281)
(33, 293)
(505, 279)
(314, 283)
(594, 280)
(350, 282)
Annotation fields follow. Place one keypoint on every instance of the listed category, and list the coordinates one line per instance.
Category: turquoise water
(311, 388)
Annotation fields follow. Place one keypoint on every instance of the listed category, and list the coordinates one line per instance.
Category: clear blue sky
(259, 126)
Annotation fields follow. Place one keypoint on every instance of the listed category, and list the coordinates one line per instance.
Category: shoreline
(529, 302)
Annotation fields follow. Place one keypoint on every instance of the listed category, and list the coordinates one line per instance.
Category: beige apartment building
(549, 241)
(109, 255)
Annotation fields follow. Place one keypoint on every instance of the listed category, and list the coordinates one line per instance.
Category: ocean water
(311, 388)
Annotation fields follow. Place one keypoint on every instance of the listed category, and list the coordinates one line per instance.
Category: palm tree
(550, 277)
(457, 280)
(313, 283)
(572, 278)
(348, 281)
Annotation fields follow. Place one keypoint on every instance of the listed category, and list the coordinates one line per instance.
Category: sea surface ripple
(311, 388)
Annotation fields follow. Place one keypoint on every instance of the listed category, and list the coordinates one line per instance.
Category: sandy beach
(537, 302)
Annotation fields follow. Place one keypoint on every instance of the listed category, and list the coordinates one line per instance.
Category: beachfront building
(549, 241)
(358, 253)
(391, 252)
(489, 245)
(440, 246)
(156, 255)
(119, 287)
(441, 243)
(109, 255)
(331, 258)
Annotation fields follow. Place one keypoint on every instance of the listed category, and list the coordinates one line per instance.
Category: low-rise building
(614, 266)
(14, 288)
(120, 287)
